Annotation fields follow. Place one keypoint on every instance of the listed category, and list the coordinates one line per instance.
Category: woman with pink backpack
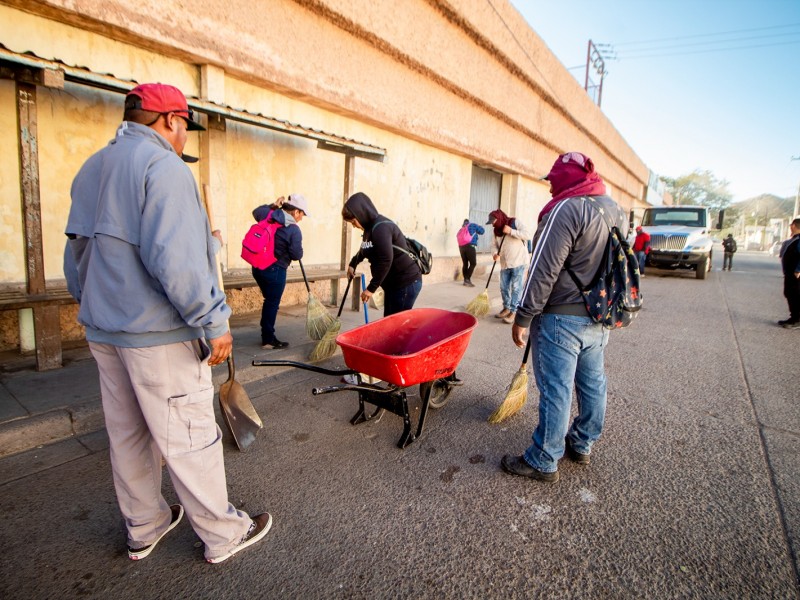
(467, 238)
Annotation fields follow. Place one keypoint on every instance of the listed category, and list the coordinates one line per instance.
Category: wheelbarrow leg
(425, 392)
(361, 414)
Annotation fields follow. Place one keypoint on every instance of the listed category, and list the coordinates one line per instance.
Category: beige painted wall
(438, 84)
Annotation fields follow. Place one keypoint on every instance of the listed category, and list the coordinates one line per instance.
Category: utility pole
(595, 61)
(796, 212)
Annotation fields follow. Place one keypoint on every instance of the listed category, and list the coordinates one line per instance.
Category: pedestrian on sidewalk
(790, 263)
(467, 238)
(392, 269)
(140, 261)
(729, 246)
(288, 247)
(567, 345)
(641, 247)
(513, 256)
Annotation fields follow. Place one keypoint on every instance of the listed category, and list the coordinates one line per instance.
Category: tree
(699, 188)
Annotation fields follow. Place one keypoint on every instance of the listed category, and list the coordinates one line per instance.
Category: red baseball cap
(162, 98)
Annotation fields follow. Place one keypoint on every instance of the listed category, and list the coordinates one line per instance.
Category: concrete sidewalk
(39, 408)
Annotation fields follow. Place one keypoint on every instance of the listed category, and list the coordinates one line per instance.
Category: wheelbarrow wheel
(440, 393)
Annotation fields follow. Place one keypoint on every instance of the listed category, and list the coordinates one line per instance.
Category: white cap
(298, 201)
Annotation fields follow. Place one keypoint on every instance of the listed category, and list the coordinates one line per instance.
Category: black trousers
(791, 289)
(468, 260)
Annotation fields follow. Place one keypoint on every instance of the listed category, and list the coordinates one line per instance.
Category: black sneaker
(258, 529)
(785, 322)
(516, 465)
(792, 325)
(574, 455)
(140, 553)
(275, 343)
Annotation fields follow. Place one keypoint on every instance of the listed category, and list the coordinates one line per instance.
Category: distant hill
(773, 206)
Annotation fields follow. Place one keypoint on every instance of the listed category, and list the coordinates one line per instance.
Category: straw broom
(318, 321)
(326, 347)
(479, 307)
(517, 393)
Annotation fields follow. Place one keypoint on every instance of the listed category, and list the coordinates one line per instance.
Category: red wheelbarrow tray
(410, 347)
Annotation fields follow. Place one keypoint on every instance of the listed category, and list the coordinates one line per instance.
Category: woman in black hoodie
(392, 269)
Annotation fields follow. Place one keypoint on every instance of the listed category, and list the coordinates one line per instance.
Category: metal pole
(588, 60)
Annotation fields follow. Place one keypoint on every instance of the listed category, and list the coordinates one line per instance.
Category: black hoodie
(391, 268)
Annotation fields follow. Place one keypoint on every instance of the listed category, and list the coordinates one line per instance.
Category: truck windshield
(689, 217)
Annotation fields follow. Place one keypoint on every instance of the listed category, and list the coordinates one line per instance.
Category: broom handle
(210, 215)
(363, 287)
(527, 352)
(303, 271)
(344, 297)
(494, 262)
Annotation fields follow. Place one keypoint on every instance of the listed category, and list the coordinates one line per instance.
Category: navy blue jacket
(288, 239)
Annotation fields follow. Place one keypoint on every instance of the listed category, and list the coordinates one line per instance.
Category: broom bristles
(318, 319)
(479, 307)
(326, 347)
(515, 398)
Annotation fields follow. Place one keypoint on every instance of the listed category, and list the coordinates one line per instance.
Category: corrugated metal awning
(60, 72)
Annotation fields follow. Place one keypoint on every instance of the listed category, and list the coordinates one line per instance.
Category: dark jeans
(727, 260)
(272, 282)
(791, 289)
(398, 300)
(469, 259)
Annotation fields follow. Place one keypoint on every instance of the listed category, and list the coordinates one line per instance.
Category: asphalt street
(692, 492)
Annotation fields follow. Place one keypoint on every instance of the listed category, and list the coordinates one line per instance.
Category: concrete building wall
(440, 85)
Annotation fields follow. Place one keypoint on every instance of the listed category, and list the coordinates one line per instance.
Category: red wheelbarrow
(422, 346)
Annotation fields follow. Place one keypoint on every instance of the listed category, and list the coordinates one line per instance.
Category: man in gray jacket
(567, 345)
(140, 261)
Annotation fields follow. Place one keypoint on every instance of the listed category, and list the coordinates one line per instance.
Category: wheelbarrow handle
(364, 387)
(305, 366)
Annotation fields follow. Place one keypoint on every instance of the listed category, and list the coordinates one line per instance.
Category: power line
(684, 37)
(729, 49)
(710, 42)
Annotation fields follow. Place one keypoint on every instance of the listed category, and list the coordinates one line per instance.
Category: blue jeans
(400, 299)
(272, 282)
(567, 354)
(511, 283)
(642, 256)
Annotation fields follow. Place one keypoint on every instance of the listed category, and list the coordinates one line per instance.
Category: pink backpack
(463, 236)
(258, 245)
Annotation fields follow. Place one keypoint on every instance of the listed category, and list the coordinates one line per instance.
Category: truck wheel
(703, 267)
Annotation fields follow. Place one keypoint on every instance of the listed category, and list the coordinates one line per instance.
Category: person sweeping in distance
(288, 247)
(511, 249)
(467, 238)
(568, 346)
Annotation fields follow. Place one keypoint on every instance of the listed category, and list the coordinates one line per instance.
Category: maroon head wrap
(501, 219)
(572, 174)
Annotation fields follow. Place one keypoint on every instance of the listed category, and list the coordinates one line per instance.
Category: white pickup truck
(680, 237)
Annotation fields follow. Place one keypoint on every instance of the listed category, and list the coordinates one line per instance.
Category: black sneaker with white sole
(140, 553)
(258, 529)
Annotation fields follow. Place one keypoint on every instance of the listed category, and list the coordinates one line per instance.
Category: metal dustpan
(237, 410)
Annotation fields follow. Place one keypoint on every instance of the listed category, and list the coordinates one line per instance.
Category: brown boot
(503, 314)
(510, 318)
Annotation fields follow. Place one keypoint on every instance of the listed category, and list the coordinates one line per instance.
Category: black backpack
(613, 297)
(415, 251)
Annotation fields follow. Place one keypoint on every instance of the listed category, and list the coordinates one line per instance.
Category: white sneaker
(351, 379)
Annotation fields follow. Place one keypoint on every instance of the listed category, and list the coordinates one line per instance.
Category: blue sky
(698, 84)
